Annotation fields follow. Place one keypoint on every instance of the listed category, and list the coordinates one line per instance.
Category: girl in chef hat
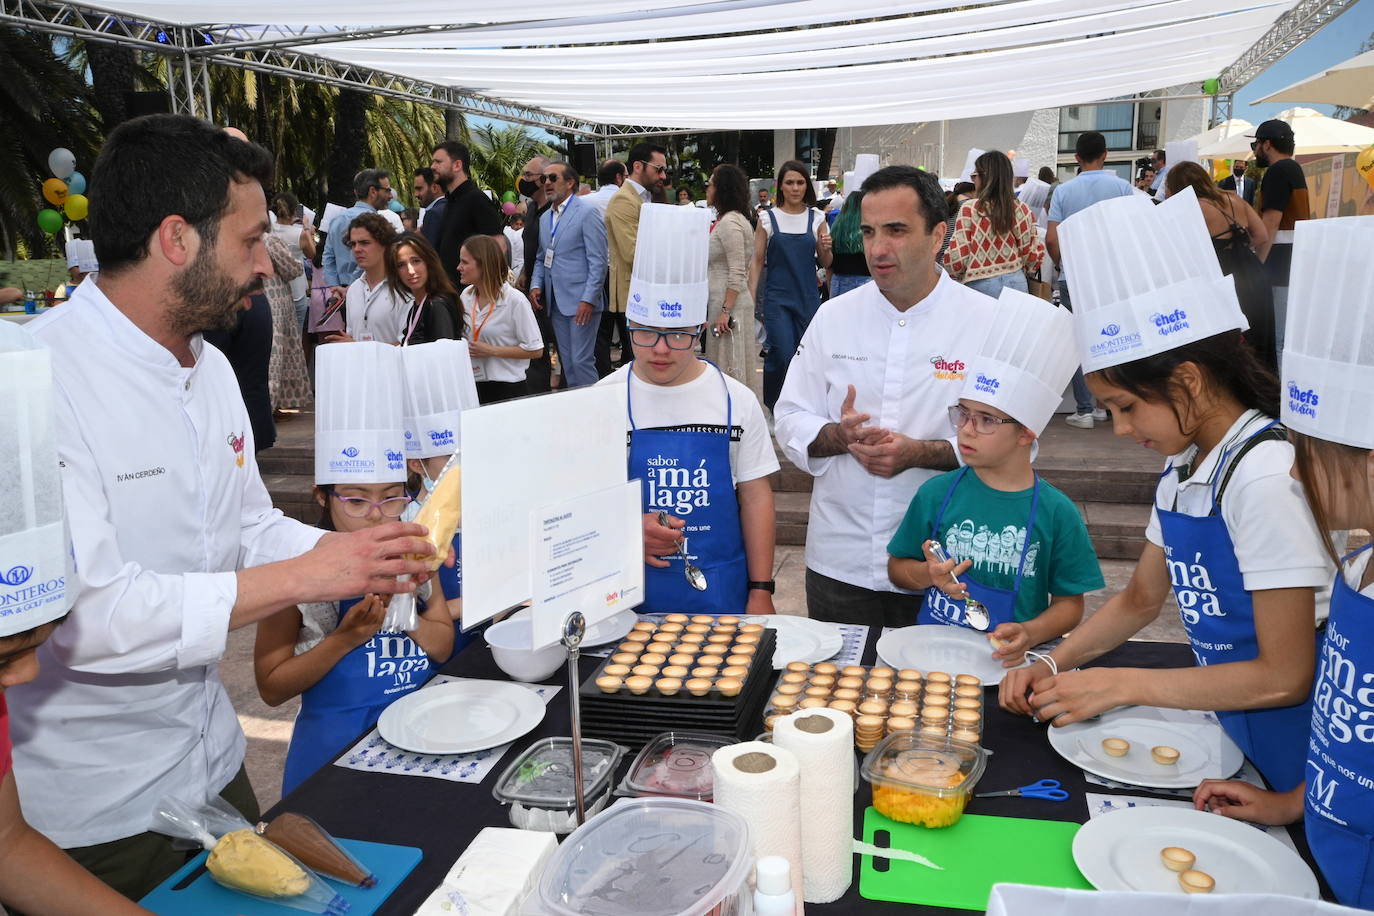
(1159, 334)
(331, 654)
(1328, 373)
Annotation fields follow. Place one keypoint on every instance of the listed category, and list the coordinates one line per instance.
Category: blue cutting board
(203, 897)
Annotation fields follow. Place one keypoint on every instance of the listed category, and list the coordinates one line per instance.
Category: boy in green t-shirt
(1018, 545)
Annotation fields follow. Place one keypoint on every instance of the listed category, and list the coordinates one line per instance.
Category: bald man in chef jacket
(174, 536)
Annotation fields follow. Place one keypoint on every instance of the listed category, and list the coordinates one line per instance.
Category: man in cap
(698, 441)
(173, 533)
(864, 406)
(1284, 203)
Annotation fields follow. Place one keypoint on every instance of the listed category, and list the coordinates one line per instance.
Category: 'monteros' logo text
(16, 575)
(350, 452)
(1111, 330)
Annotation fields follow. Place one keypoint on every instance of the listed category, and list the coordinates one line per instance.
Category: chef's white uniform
(908, 368)
(164, 503)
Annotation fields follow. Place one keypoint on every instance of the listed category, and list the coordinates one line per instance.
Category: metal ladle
(695, 577)
(974, 611)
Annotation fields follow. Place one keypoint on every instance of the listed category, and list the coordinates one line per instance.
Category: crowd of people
(915, 393)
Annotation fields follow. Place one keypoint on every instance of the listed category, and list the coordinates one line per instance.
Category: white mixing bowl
(510, 646)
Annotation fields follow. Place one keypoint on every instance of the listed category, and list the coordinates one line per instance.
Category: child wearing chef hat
(698, 441)
(35, 594)
(1328, 374)
(1159, 334)
(1030, 561)
(331, 654)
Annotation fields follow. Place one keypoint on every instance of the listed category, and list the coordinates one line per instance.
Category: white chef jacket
(164, 503)
(376, 312)
(907, 369)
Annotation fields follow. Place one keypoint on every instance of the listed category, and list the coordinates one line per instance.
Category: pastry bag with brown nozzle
(441, 513)
(308, 841)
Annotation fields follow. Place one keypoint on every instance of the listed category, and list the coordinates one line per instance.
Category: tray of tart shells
(883, 700)
(700, 673)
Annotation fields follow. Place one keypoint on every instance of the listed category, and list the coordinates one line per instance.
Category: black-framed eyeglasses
(676, 340)
(660, 169)
(1254, 144)
(983, 423)
(547, 178)
(359, 507)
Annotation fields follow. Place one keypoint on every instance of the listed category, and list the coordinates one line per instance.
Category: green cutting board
(975, 853)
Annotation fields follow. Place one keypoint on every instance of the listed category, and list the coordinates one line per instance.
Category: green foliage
(498, 153)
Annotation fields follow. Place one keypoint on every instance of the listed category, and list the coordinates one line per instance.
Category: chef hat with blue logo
(668, 286)
(35, 560)
(1026, 360)
(1328, 353)
(439, 386)
(359, 414)
(1144, 279)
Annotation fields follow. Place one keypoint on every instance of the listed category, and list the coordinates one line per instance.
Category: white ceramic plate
(1205, 750)
(612, 629)
(460, 717)
(1119, 851)
(801, 639)
(932, 647)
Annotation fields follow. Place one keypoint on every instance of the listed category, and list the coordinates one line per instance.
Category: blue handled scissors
(1048, 789)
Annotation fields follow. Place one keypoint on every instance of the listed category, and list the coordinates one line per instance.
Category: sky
(1338, 41)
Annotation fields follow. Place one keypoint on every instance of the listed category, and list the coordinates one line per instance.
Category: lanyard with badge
(555, 219)
(369, 297)
(414, 321)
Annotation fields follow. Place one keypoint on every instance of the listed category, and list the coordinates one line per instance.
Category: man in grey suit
(570, 272)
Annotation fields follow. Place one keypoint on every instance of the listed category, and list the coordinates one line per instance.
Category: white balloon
(62, 162)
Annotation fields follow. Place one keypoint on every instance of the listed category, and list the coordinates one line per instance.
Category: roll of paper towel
(822, 740)
(762, 784)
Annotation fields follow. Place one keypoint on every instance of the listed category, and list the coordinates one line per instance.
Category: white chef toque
(1033, 194)
(1328, 351)
(969, 160)
(359, 414)
(35, 561)
(668, 287)
(439, 386)
(865, 164)
(1144, 279)
(1020, 168)
(1026, 360)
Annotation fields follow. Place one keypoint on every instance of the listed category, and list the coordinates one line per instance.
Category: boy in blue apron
(332, 654)
(1020, 545)
(698, 441)
(436, 394)
(1325, 403)
(1231, 533)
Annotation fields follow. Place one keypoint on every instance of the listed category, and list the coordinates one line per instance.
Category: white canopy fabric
(761, 64)
(1313, 133)
(1348, 83)
(1232, 127)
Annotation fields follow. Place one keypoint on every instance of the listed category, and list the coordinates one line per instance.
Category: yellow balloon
(78, 205)
(55, 190)
(1365, 164)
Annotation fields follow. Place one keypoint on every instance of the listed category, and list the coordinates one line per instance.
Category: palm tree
(43, 104)
(499, 152)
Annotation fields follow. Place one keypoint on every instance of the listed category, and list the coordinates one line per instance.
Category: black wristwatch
(770, 586)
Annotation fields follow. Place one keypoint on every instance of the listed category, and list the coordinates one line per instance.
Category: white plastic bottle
(773, 887)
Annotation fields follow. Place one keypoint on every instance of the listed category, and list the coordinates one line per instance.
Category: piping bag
(312, 845)
(442, 513)
(242, 861)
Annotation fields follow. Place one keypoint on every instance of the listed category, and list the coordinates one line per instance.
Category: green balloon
(508, 197)
(50, 221)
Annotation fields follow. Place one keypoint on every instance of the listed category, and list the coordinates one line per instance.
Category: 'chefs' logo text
(394, 460)
(948, 369)
(669, 309)
(1172, 323)
(986, 384)
(236, 444)
(1303, 401)
(439, 437)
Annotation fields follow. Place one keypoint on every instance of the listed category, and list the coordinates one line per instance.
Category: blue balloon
(396, 206)
(76, 184)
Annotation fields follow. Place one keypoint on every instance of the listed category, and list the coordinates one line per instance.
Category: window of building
(1115, 121)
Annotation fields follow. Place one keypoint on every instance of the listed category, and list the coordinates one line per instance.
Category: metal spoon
(695, 577)
(974, 612)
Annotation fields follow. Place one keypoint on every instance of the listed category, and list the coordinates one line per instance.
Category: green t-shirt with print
(989, 527)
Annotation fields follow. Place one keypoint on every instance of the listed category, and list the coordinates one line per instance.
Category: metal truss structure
(1288, 31)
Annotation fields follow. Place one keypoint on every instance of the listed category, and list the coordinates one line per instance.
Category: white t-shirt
(1275, 536)
(510, 323)
(792, 222)
(700, 405)
(516, 241)
(375, 313)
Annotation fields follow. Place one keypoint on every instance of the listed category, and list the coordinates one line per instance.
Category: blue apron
(1342, 743)
(791, 296)
(350, 698)
(450, 582)
(1219, 615)
(1001, 603)
(687, 474)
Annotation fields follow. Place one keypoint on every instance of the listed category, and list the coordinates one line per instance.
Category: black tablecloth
(442, 817)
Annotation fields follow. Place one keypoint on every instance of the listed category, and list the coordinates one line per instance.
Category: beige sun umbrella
(1232, 127)
(1313, 132)
(1349, 83)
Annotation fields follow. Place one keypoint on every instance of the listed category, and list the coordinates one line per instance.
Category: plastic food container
(652, 857)
(538, 785)
(923, 779)
(676, 765)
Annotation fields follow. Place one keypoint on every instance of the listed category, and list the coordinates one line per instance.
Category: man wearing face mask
(531, 184)
(1283, 202)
